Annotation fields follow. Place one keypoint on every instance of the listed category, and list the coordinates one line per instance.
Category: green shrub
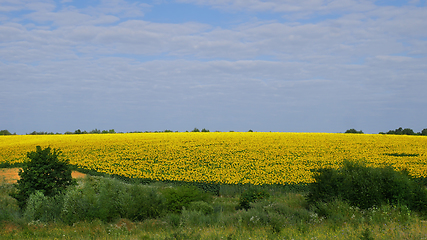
(251, 195)
(43, 208)
(182, 196)
(9, 211)
(108, 199)
(366, 187)
(143, 203)
(44, 172)
(79, 204)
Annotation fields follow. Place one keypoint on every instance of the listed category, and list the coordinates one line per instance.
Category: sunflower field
(224, 157)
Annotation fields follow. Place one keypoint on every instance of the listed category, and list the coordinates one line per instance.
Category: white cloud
(366, 58)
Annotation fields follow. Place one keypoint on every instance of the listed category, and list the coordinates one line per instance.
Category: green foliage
(43, 208)
(353, 131)
(142, 203)
(401, 131)
(201, 206)
(211, 188)
(366, 187)
(43, 172)
(9, 211)
(5, 132)
(251, 195)
(367, 235)
(109, 199)
(182, 196)
(79, 204)
(284, 215)
(41, 133)
(195, 130)
(205, 130)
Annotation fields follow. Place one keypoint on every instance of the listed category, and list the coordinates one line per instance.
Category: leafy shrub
(43, 208)
(251, 195)
(110, 199)
(143, 203)
(182, 196)
(366, 187)
(44, 172)
(79, 204)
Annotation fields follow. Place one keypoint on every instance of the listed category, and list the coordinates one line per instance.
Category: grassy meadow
(115, 201)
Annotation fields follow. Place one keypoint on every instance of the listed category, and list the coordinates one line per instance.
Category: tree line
(397, 131)
(97, 131)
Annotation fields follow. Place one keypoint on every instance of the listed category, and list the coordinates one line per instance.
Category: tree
(195, 130)
(424, 132)
(95, 131)
(43, 172)
(353, 131)
(5, 132)
(408, 131)
(401, 131)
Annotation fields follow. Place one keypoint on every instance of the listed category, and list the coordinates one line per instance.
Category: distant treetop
(353, 131)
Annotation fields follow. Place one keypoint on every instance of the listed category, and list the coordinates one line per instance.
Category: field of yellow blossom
(224, 157)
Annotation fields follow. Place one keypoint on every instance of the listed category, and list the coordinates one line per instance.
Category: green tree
(95, 131)
(195, 130)
(43, 172)
(408, 131)
(5, 132)
(353, 131)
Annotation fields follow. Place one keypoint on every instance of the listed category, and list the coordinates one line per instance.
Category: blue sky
(265, 65)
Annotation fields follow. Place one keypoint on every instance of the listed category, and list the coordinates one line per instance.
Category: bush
(42, 208)
(110, 199)
(366, 187)
(251, 195)
(79, 204)
(182, 196)
(144, 203)
(44, 172)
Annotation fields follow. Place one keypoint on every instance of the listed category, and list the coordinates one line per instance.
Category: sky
(223, 65)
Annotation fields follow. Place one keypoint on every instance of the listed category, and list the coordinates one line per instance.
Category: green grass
(286, 214)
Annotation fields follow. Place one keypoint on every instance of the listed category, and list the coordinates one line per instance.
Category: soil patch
(10, 175)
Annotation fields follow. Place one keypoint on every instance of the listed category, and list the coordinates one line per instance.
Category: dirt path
(10, 175)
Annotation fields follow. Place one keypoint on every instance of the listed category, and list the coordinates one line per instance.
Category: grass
(284, 215)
